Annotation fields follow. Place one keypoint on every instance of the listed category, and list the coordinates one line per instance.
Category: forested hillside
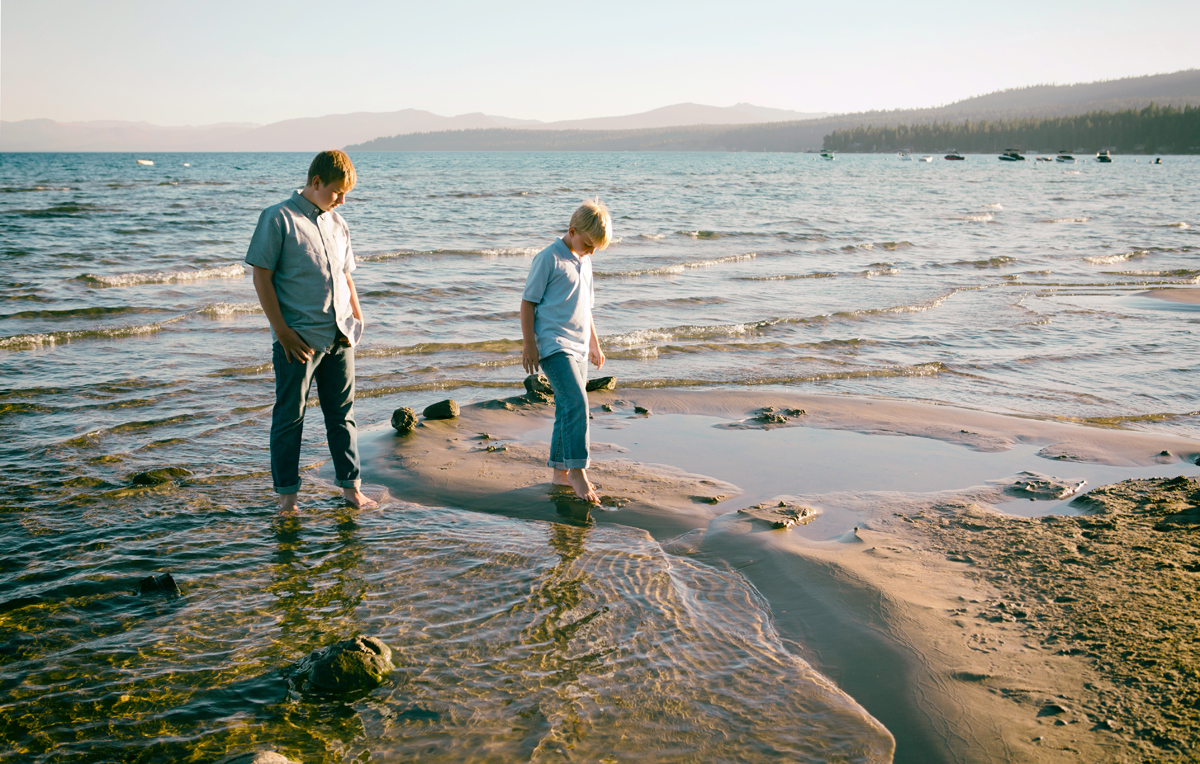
(1154, 129)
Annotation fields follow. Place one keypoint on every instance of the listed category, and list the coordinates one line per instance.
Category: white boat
(145, 162)
(926, 159)
(826, 154)
(904, 156)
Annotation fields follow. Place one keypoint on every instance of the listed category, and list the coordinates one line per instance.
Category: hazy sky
(172, 62)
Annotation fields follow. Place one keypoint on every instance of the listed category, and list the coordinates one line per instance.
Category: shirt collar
(565, 251)
(305, 206)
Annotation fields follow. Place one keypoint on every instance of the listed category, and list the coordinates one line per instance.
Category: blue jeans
(333, 371)
(570, 440)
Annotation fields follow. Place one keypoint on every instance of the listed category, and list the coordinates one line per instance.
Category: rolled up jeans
(333, 371)
(570, 440)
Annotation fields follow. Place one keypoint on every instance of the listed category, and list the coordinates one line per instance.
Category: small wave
(872, 273)
(1111, 259)
(79, 312)
(652, 236)
(986, 217)
(993, 206)
(16, 190)
(31, 341)
(1065, 220)
(702, 234)
(991, 262)
(381, 257)
(428, 348)
(1180, 225)
(1180, 273)
(65, 210)
(669, 270)
(787, 276)
(230, 308)
(917, 370)
(234, 270)
(894, 245)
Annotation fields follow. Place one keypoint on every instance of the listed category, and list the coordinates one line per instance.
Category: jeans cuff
(570, 464)
(287, 489)
(348, 483)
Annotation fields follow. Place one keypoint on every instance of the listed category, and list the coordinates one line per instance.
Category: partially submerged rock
(404, 420)
(642, 410)
(602, 383)
(159, 476)
(163, 584)
(780, 514)
(446, 409)
(361, 663)
(1034, 485)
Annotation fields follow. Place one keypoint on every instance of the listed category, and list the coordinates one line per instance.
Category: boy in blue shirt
(302, 262)
(559, 334)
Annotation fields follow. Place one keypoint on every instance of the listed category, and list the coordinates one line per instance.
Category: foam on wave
(231, 271)
(677, 268)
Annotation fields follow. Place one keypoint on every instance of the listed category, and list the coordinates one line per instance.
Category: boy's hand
(529, 358)
(294, 348)
(596, 355)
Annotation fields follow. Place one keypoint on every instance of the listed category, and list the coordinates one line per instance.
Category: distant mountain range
(682, 127)
(1177, 89)
(335, 130)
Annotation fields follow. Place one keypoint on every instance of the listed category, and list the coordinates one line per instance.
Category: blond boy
(560, 336)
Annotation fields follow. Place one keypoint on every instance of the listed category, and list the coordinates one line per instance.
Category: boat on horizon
(904, 156)
(145, 162)
(954, 156)
(926, 158)
(826, 154)
(1011, 155)
(1103, 156)
(1064, 156)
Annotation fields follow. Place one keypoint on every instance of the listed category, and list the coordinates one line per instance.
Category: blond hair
(333, 166)
(593, 221)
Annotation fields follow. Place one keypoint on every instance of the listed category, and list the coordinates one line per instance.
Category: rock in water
(442, 410)
(404, 420)
(156, 584)
(260, 757)
(159, 476)
(602, 383)
(781, 514)
(641, 410)
(360, 663)
(537, 384)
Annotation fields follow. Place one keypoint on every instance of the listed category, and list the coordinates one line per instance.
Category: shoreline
(889, 610)
(1186, 296)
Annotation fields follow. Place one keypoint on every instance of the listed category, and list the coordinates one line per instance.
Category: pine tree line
(1152, 130)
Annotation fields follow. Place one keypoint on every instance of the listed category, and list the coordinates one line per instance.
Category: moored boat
(954, 156)
(926, 159)
(1011, 155)
(145, 162)
(826, 154)
(1064, 156)
(904, 156)
(1103, 156)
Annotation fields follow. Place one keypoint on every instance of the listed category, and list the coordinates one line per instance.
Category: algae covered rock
(164, 584)
(404, 420)
(361, 663)
(446, 409)
(159, 476)
(602, 383)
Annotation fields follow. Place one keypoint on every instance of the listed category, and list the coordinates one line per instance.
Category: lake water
(132, 340)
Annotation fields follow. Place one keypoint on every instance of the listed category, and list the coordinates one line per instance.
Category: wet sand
(971, 634)
(1186, 296)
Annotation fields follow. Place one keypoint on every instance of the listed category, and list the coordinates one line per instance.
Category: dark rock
(259, 757)
(164, 584)
(537, 383)
(404, 420)
(642, 410)
(536, 396)
(608, 407)
(442, 410)
(159, 476)
(355, 664)
(602, 383)
(710, 499)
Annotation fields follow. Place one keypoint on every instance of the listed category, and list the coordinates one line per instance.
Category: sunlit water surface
(133, 341)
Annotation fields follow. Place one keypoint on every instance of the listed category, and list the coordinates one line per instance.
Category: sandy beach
(971, 632)
(1185, 296)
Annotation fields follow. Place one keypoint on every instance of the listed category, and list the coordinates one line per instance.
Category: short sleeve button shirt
(560, 284)
(309, 252)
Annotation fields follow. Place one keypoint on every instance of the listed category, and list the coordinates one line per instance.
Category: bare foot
(357, 498)
(583, 488)
(560, 478)
(287, 503)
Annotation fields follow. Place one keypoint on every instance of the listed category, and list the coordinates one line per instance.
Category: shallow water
(133, 341)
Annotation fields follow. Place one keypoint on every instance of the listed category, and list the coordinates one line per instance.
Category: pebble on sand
(446, 409)
(404, 420)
